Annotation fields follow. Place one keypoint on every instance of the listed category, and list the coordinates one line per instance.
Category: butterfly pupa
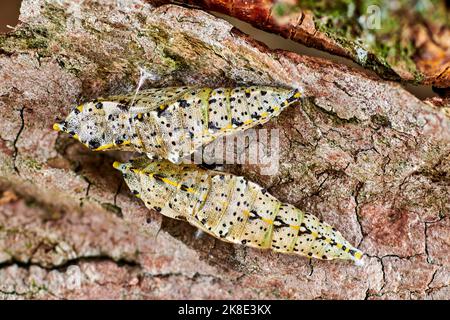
(172, 123)
(233, 209)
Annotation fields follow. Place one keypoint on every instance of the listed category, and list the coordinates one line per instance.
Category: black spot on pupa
(183, 103)
(94, 144)
(254, 215)
(280, 223)
(63, 124)
(99, 105)
(161, 110)
(255, 116)
(212, 126)
(236, 122)
(158, 177)
(184, 187)
(122, 106)
(292, 98)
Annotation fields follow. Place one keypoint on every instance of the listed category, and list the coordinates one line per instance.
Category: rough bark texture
(411, 42)
(361, 153)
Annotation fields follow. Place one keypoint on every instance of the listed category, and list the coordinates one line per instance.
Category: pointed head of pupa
(357, 258)
(93, 125)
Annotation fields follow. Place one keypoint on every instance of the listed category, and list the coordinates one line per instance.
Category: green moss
(383, 49)
(172, 60)
(281, 9)
(25, 39)
(158, 34)
(32, 164)
(380, 120)
(36, 37)
(56, 15)
(112, 208)
(336, 119)
(142, 18)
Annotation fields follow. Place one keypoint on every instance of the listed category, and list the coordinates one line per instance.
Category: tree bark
(360, 152)
(405, 40)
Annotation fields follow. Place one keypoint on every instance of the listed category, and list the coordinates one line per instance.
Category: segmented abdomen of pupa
(198, 116)
(172, 123)
(233, 209)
